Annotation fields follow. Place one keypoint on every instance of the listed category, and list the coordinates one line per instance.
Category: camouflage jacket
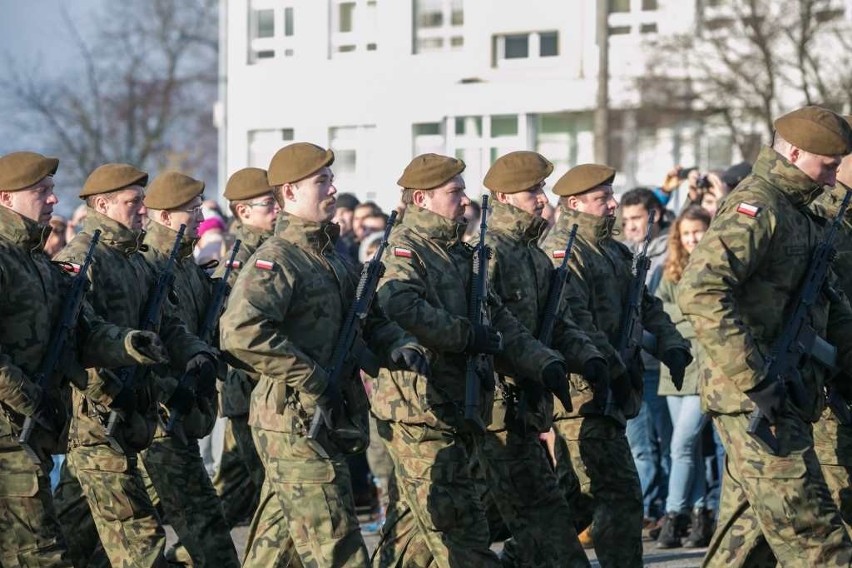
(120, 283)
(283, 319)
(597, 293)
(520, 274)
(741, 280)
(235, 391)
(32, 290)
(190, 295)
(426, 290)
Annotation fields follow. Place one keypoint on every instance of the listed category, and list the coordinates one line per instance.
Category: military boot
(671, 531)
(701, 531)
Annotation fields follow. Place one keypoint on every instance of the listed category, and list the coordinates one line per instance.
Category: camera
(701, 182)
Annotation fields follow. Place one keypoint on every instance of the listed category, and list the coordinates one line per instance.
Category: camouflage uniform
(610, 494)
(31, 295)
(179, 484)
(240, 474)
(282, 319)
(438, 517)
(517, 469)
(833, 441)
(736, 291)
(127, 523)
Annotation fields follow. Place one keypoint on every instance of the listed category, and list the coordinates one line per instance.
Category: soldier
(32, 290)
(240, 476)
(437, 516)
(610, 495)
(532, 505)
(282, 321)
(737, 291)
(181, 486)
(121, 279)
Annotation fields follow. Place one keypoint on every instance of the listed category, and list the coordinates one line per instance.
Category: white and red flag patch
(264, 264)
(559, 254)
(235, 265)
(748, 209)
(403, 252)
(71, 267)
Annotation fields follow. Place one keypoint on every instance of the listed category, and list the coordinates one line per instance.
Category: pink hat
(211, 223)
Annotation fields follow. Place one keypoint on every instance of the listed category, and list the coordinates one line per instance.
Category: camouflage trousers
(522, 484)
(306, 515)
(29, 530)
(609, 496)
(240, 474)
(78, 524)
(127, 522)
(833, 445)
(435, 518)
(180, 488)
(775, 506)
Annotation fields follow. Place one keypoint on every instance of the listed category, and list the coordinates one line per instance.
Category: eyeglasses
(266, 203)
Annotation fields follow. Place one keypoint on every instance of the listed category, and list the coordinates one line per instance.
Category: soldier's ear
(419, 197)
(288, 192)
(6, 198)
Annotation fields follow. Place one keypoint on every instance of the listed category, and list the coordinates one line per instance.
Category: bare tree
(747, 61)
(143, 91)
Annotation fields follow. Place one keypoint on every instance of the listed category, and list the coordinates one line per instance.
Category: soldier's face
(844, 171)
(189, 215)
(532, 201)
(35, 202)
(599, 202)
(124, 206)
(821, 169)
(691, 231)
(312, 198)
(448, 200)
(260, 212)
(634, 221)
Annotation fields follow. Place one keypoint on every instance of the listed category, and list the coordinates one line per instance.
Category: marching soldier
(181, 486)
(610, 494)
(737, 291)
(282, 321)
(437, 516)
(121, 279)
(32, 290)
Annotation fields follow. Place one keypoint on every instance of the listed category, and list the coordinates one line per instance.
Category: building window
(525, 46)
(567, 139)
(271, 29)
(480, 140)
(633, 17)
(353, 26)
(353, 154)
(438, 25)
(262, 145)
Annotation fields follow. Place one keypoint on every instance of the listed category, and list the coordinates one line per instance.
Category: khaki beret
(816, 130)
(170, 190)
(112, 177)
(20, 170)
(297, 161)
(246, 184)
(517, 171)
(428, 171)
(583, 178)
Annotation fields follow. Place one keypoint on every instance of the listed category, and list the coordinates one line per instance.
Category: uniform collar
(310, 235)
(783, 175)
(250, 236)
(113, 234)
(23, 231)
(432, 225)
(516, 222)
(591, 227)
(830, 201)
(162, 238)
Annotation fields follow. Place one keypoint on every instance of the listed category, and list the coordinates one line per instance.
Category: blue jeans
(649, 435)
(718, 460)
(687, 482)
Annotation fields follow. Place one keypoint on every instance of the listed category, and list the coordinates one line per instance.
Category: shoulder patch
(748, 209)
(235, 265)
(264, 264)
(559, 253)
(403, 252)
(70, 267)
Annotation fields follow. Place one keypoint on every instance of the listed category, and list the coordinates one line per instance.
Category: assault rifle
(631, 337)
(174, 427)
(351, 352)
(59, 338)
(478, 365)
(798, 340)
(558, 280)
(132, 377)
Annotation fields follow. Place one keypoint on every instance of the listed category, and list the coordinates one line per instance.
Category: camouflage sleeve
(17, 391)
(385, 335)
(250, 331)
(102, 344)
(840, 327)
(729, 253)
(572, 342)
(402, 296)
(657, 321)
(521, 351)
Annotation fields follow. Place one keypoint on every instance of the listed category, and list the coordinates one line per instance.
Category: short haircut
(644, 197)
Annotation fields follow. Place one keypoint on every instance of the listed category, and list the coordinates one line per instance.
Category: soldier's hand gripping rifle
(631, 335)
(478, 364)
(174, 427)
(59, 338)
(351, 352)
(798, 340)
(132, 377)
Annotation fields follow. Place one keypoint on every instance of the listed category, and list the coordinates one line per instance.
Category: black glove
(555, 379)
(596, 373)
(411, 359)
(125, 400)
(150, 345)
(182, 400)
(769, 397)
(331, 402)
(484, 339)
(677, 360)
(203, 366)
(50, 414)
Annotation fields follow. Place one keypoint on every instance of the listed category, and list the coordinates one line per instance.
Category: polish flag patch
(264, 264)
(71, 267)
(403, 252)
(748, 209)
(559, 254)
(235, 265)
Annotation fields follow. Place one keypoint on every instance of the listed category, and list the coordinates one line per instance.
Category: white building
(380, 81)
